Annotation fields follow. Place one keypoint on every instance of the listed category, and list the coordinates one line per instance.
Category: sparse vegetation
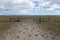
(4, 26)
(53, 26)
(51, 23)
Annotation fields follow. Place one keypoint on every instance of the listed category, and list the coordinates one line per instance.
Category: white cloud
(16, 4)
(50, 4)
(16, 7)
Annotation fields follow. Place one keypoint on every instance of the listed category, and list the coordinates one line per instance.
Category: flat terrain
(4, 26)
(29, 27)
(29, 30)
(53, 26)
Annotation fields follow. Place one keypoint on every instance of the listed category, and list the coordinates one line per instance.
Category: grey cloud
(8, 7)
(11, 5)
(53, 1)
(53, 4)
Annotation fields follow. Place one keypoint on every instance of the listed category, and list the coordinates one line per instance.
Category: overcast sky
(29, 7)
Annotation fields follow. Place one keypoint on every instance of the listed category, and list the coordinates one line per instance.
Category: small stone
(19, 31)
(50, 32)
(33, 27)
(17, 36)
(53, 37)
(30, 35)
(37, 31)
(26, 28)
(57, 34)
(36, 35)
(46, 36)
(23, 32)
(42, 35)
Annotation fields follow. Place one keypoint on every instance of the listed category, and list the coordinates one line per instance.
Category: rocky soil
(28, 30)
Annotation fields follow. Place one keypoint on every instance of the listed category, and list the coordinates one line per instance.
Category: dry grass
(53, 26)
(4, 26)
(5, 22)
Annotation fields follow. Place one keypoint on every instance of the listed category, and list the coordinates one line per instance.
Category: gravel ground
(28, 30)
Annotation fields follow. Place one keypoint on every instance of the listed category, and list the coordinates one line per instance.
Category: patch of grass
(53, 26)
(4, 26)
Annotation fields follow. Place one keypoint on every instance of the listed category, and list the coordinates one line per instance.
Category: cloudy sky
(29, 7)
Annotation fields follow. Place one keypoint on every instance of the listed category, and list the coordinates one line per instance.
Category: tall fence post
(10, 19)
(40, 19)
(49, 19)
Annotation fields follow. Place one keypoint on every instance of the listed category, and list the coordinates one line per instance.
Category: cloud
(15, 7)
(50, 4)
(33, 7)
(16, 4)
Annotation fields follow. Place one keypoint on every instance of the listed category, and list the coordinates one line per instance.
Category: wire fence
(39, 19)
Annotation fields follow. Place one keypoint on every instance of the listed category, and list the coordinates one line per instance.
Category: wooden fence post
(49, 19)
(39, 19)
(10, 19)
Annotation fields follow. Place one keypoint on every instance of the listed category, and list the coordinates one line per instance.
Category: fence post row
(15, 19)
(49, 19)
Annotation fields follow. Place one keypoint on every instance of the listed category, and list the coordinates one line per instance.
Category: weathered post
(40, 19)
(18, 20)
(10, 19)
(49, 18)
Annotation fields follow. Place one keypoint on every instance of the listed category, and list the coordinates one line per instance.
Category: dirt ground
(28, 30)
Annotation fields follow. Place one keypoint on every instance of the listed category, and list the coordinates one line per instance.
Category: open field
(4, 26)
(53, 26)
(42, 18)
(28, 29)
(49, 22)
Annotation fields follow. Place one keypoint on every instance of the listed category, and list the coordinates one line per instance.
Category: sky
(29, 7)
